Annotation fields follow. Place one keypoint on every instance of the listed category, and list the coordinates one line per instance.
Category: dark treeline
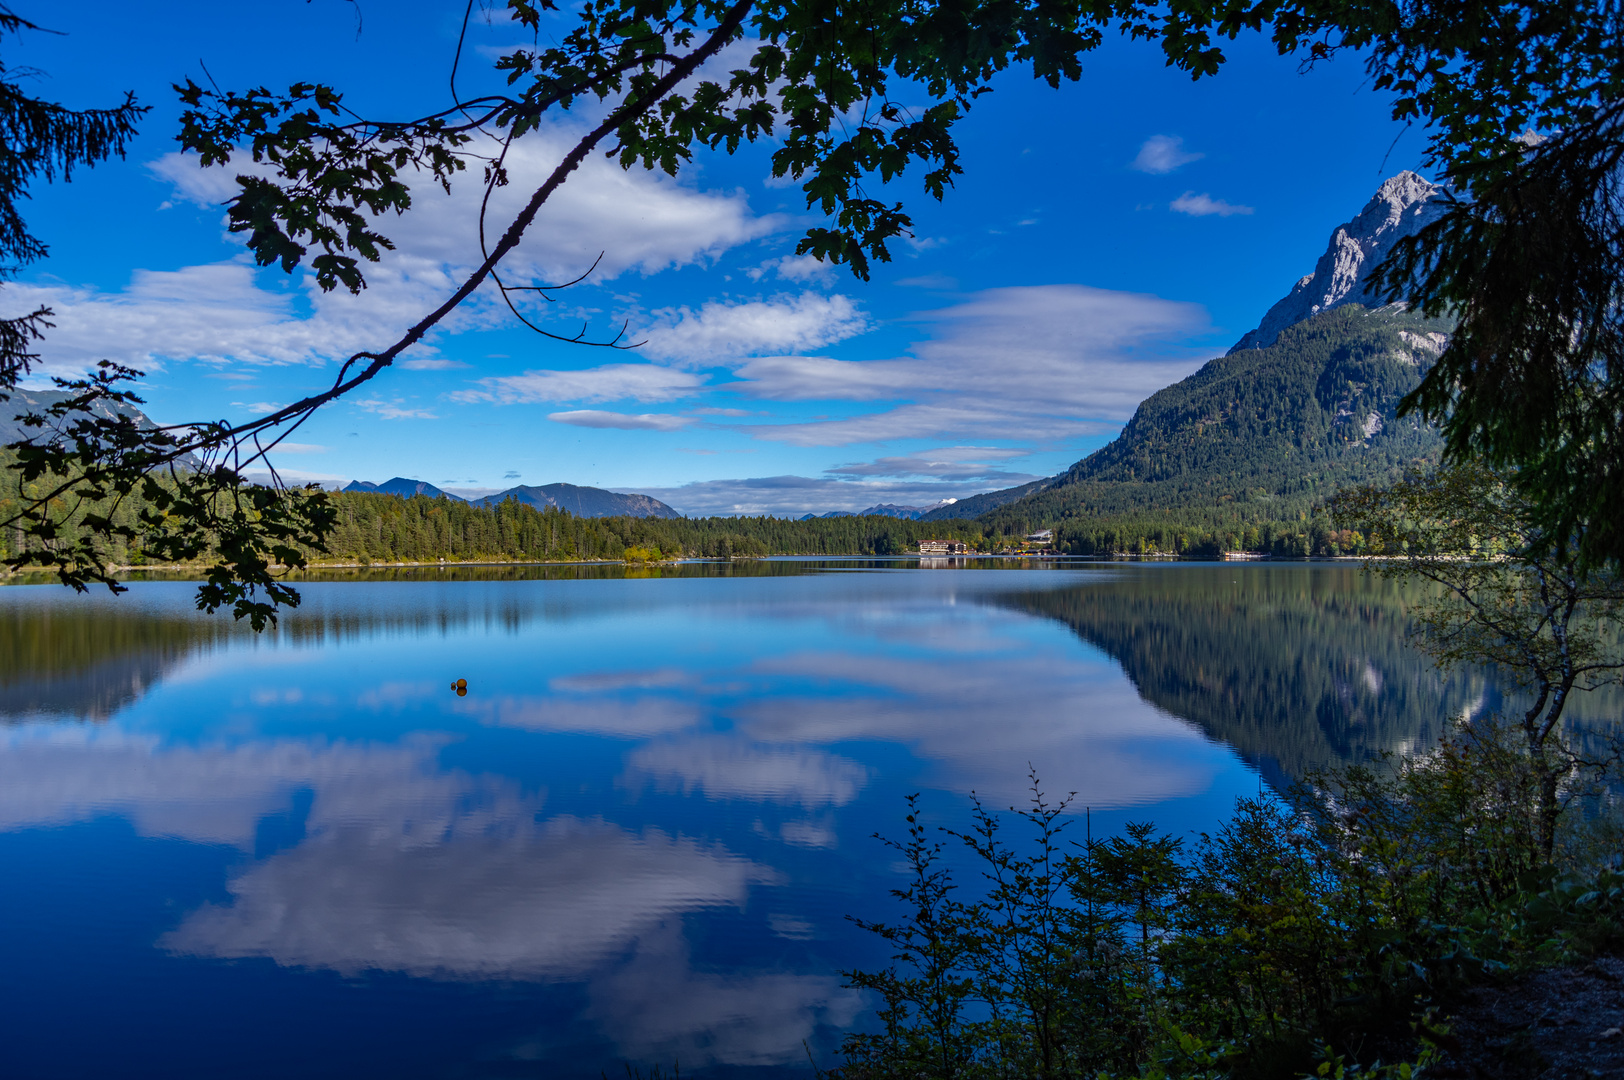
(388, 528)
(1205, 535)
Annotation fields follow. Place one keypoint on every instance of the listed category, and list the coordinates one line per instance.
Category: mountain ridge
(580, 501)
(1174, 454)
(1402, 206)
(401, 486)
(587, 502)
(1254, 437)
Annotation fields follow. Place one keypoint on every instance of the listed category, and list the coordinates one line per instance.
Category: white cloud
(719, 332)
(794, 268)
(610, 382)
(1205, 205)
(598, 418)
(222, 312)
(637, 219)
(1162, 154)
(1042, 362)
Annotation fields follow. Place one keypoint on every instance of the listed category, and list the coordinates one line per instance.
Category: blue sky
(1106, 239)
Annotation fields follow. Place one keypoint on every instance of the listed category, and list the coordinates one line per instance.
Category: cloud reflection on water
(722, 767)
(984, 722)
(504, 898)
(663, 1010)
(408, 867)
(212, 794)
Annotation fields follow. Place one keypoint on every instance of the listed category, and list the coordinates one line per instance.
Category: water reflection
(724, 767)
(1294, 666)
(481, 892)
(62, 657)
(647, 818)
(402, 866)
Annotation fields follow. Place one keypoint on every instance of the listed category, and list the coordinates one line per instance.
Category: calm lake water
(637, 838)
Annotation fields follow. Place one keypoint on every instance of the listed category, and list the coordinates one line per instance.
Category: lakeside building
(943, 547)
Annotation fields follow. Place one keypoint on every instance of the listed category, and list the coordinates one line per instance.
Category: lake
(637, 838)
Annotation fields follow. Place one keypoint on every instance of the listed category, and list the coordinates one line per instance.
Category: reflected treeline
(1293, 666)
(90, 660)
(65, 656)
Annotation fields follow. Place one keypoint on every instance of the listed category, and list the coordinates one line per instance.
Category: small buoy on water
(461, 687)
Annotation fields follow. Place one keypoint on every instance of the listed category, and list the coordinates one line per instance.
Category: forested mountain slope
(1254, 440)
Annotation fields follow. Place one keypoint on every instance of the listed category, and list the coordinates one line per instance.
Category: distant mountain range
(1261, 434)
(581, 501)
(23, 401)
(1301, 406)
(910, 513)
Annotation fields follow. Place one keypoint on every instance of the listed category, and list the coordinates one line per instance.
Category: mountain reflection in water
(639, 834)
(1293, 665)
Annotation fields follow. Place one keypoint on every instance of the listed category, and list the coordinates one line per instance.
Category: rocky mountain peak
(1402, 206)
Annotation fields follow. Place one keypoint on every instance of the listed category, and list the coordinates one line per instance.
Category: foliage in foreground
(1317, 933)
(1507, 595)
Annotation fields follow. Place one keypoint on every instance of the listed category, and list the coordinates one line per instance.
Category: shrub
(1309, 933)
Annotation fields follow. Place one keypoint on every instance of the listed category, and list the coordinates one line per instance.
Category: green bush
(1308, 934)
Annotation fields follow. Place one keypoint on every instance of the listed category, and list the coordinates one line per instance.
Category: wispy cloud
(610, 382)
(394, 409)
(598, 418)
(947, 463)
(929, 281)
(1162, 154)
(1205, 205)
(1042, 362)
(432, 363)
